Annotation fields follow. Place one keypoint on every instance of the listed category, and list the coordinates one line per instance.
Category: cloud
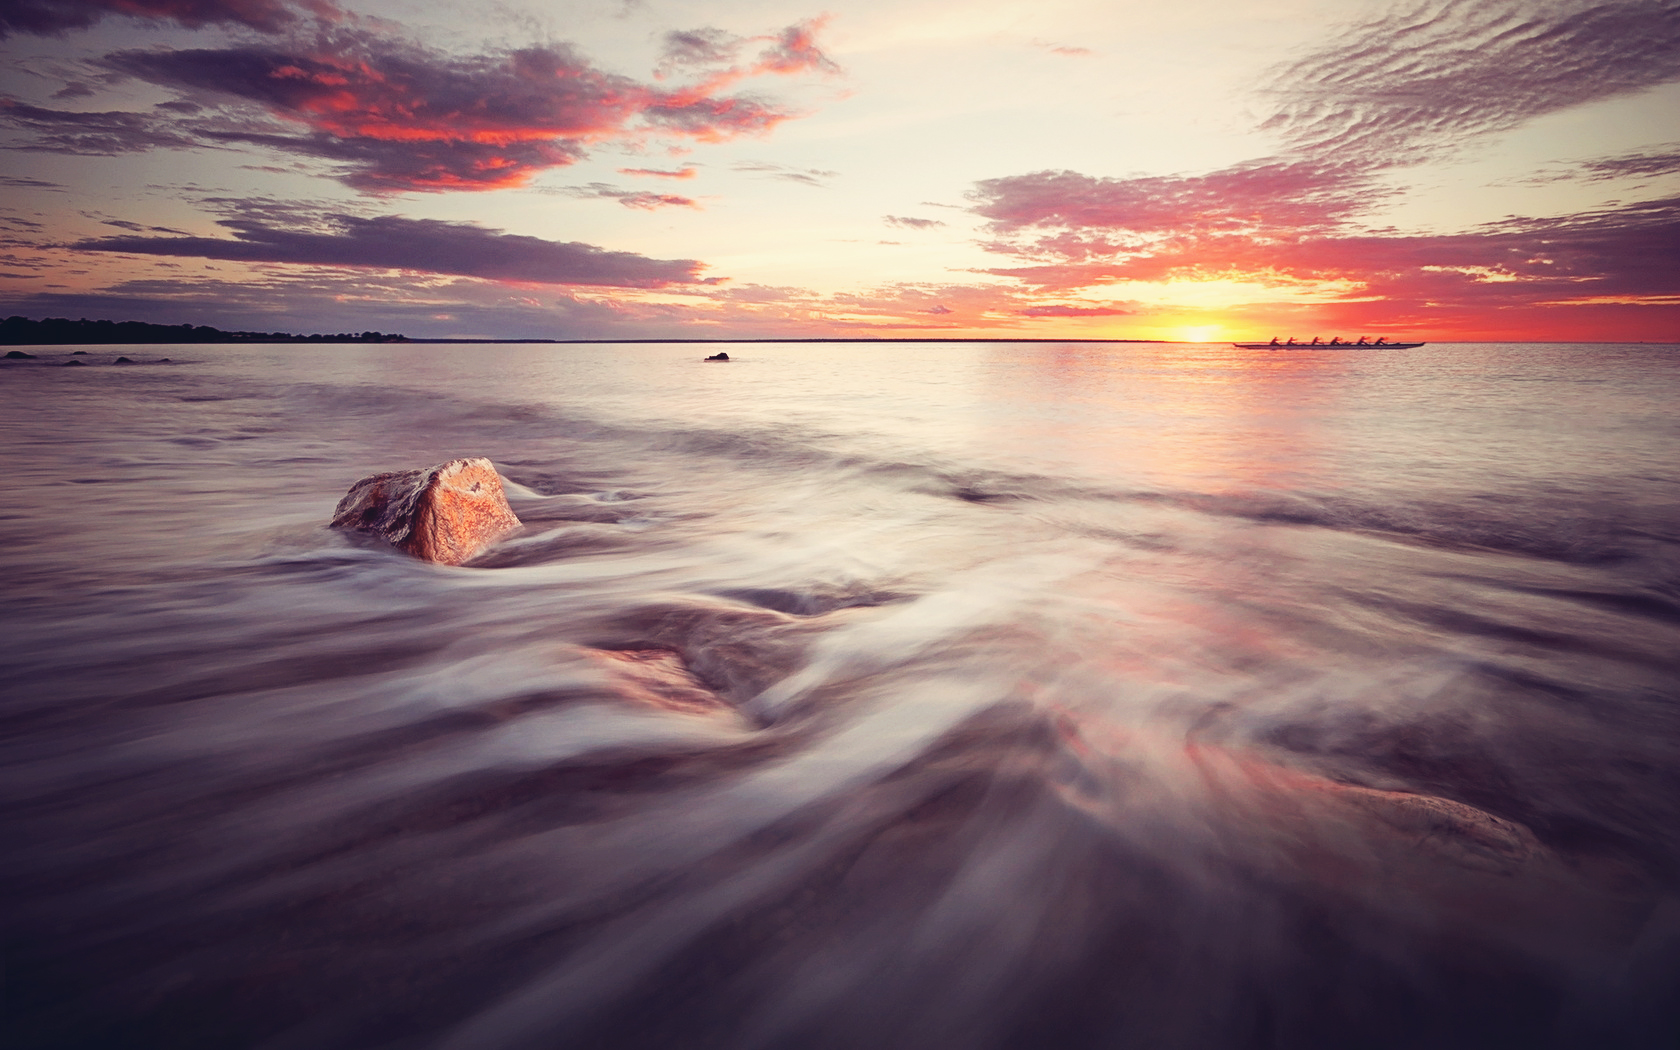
(1060, 310)
(425, 245)
(692, 48)
(90, 133)
(660, 173)
(55, 17)
(18, 182)
(1381, 97)
(794, 50)
(1644, 164)
(910, 223)
(806, 176)
(397, 116)
(639, 199)
(1429, 75)
(1265, 198)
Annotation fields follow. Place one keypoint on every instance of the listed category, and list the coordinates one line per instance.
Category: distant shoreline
(806, 339)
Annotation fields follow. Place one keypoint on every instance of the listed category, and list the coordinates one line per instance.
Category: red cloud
(404, 117)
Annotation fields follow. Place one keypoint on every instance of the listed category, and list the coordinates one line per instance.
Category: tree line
(21, 331)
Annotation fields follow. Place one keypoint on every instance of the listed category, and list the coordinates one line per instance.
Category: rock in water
(444, 514)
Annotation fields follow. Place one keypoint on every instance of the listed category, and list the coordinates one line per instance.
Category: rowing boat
(1327, 346)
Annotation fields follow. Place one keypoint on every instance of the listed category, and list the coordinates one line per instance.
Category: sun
(1201, 333)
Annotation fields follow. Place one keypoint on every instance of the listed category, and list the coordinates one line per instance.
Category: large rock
(445, 514)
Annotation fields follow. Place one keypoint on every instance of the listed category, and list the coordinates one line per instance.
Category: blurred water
(1055, 679)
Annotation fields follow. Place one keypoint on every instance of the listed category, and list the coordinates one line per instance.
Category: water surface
(1069, 695)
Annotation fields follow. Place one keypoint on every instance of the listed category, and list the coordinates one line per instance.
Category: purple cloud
(97, 134)
(54, 17)
(692, 48)
(428, 245)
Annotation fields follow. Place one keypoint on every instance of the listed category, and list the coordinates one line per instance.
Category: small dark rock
(123, 361)
(19, 355)
(719, 356)
(78, 353)
(75, 364)
(163, 360)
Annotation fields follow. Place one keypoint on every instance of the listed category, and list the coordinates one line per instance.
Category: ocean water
(1064, 695)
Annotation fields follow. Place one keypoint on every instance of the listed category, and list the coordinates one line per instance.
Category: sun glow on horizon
(1200, 333)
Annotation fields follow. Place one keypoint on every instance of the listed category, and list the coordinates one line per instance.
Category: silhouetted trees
(21, 331)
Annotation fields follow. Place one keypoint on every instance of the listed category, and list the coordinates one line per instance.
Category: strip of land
(60, 331)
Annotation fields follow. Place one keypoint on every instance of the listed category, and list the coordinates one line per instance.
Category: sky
(1203, 170)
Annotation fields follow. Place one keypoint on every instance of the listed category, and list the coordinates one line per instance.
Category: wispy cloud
(18, 182)
(642, 200)
(1064, 310)
(661, 173)
(807, 176)
(1644, 164)
(101, 133)
(908, 222)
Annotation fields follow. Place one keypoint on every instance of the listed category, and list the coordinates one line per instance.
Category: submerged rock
(658, 678)
(444, 514)
(19, 355)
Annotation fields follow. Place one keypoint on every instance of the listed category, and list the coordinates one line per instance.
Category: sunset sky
(1200, 170)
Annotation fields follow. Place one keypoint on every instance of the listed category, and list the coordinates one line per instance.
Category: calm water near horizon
(1078, 696)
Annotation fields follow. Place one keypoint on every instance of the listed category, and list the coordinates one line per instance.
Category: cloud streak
(641, 200)
(908, 222)
(424, 245)
(56, 17)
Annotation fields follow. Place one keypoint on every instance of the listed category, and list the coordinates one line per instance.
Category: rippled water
(1072, 696)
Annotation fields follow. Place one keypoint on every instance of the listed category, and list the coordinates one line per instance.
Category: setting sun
(1201, 333)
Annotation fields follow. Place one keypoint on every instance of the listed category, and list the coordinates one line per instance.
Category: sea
(1061, 695)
